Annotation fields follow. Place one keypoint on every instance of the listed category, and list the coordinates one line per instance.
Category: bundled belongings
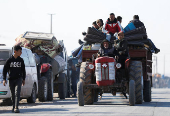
(44, 44)
(140, 30)
(95, 36)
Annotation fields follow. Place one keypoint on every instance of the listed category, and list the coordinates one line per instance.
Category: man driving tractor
(120, 49)
(106, 49)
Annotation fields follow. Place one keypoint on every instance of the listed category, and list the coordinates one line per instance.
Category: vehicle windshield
(4, 55)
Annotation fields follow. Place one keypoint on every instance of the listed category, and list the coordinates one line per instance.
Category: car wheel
(33, 96)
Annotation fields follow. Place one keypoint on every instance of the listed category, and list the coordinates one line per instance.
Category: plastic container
(95, 46)
(87, 47)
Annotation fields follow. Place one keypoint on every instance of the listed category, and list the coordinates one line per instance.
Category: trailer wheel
(80, 95)
(136, 74)
(86, 78)
(33, 96)
(132, 93)
(42, 91)
(49, 76)
(68, 83)
(62, 88)
(147, 91)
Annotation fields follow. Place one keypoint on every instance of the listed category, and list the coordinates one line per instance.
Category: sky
(72, 17)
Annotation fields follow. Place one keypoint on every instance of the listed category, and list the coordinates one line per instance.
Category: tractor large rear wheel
(86, 78)
(135, 73)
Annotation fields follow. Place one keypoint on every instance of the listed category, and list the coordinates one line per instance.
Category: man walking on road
(16, 69)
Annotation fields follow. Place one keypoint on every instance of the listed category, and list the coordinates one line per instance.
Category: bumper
(4, 91)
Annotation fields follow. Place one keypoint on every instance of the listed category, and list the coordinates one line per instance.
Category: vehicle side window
(31, 58)
(25, 58)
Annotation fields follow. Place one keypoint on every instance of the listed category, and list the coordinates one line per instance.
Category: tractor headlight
(91, 66)
(118, 65)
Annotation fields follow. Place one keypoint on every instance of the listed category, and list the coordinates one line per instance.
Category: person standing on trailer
(121, 47)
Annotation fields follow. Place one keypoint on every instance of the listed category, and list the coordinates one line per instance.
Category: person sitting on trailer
(119, 20)
(111, 26)
(106, 49)
(94, 25)
(100, 24)
(137, 23)
(121, 49)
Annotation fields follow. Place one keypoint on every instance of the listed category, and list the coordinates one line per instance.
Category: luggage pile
(136, 37)
(44, 44)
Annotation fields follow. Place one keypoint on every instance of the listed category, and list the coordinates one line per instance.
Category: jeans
(153, 45)
(108, 37)
(15, 87)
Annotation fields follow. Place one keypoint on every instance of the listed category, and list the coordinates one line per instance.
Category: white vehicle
(30, 89)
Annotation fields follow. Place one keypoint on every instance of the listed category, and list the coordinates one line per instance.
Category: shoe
(16, 111)
(80, 42)
(157, 50)
(84, 33)
(74, 96)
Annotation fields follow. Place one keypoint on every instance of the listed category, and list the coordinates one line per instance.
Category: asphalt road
(108, 106)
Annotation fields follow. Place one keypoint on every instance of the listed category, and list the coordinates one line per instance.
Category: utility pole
(164, 64)
(51, 21)
(155, 58)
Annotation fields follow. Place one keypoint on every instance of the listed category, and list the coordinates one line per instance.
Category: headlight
(91, 66)
(118, 65)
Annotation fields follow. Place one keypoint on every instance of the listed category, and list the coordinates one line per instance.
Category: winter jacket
(137, 23)
(15, 68)
(100, 29)
(110, 50)
(121, 47)
(112, 27)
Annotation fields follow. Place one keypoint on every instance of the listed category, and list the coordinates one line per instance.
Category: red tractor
(106, 75)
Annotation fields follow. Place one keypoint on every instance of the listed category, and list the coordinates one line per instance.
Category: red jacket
(112, 26)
